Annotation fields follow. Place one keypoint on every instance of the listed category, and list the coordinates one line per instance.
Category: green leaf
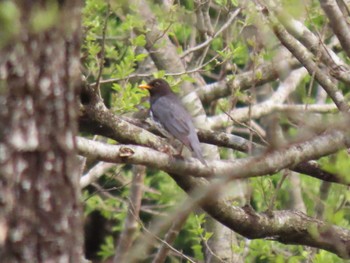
(107, 248)
(139, 41)
(234, 3)
(159, 74)
(140, 57)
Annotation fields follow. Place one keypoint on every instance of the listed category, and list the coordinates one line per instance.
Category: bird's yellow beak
(144, 86)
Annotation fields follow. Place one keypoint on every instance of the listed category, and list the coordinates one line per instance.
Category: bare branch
(96, 118)
(169, 238)
(133, 76)
(207, 136)
(243, 168)
(288, 227)
(96, 172)
(210, 39)
(314, 43)
(229, 141)
(164, 243)
(102, 56)
(303, 55)
(203, 18)
(259, 76)
(338, 23)
(258, 111)
(130, 225)
(296, 193)
(262, 109)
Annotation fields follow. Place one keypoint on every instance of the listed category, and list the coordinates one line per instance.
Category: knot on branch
(126, 152)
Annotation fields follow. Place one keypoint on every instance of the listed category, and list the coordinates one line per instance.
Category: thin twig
(102, 57)
(195, 70)
(278, 187)
(166, 243)
(210, 39)
(168, 239)
(248, 126)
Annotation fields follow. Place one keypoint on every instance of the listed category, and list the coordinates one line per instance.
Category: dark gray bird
(167, 109)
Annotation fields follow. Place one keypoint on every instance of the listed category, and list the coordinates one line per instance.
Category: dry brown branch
(131, 223)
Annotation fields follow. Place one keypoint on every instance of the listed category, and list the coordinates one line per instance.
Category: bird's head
(157, 87)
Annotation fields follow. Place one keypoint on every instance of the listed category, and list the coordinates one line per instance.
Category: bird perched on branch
(167, 109)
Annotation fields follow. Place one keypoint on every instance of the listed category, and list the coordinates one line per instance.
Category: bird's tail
(197, 152)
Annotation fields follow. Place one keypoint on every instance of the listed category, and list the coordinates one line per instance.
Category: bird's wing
(175, 119)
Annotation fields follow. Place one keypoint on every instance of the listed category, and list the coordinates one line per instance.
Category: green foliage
(293, 7)
(229, 54)
(107, 248)
(167, 190)
(338, 164)
(195, 225)
(126, 97)
(326, 257)
(9, 21)
(264, 189)
(120, 57)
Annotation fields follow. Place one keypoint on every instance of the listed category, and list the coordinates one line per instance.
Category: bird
(167, 109)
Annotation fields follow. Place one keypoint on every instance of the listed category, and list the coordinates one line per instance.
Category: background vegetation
(239, 39)
(267, 84)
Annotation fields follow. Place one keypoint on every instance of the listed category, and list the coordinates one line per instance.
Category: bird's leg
(179, 154)
(182, 147)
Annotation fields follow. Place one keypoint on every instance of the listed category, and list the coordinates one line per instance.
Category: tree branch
(242, 168)
(94, 173)
(303, 55)
(97, 119)
(338, 23)
(314, 43)
(288, 227)
(275, 102)
(169, 238)
(130, 225)
(259, 76)
(210, 39)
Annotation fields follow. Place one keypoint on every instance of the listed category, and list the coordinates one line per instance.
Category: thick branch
(338, 23)
(313, 43)
(217, 138)
(300, 52)
(94, 173)
(97, 119)
(259, 76)
(288, 227)
(262, 109)
(243, 168)
(275, 102)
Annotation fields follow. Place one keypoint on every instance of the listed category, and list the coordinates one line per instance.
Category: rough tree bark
(40, 212)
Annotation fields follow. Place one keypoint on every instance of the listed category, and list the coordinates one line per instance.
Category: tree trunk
(40, 211)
